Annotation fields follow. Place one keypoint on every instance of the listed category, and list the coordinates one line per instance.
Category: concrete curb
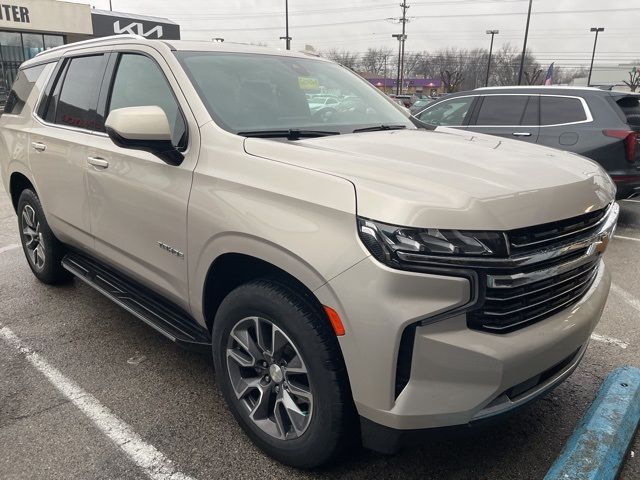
(598, 446)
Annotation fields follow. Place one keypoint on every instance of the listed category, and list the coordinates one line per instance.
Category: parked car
(601, 125)
(355, 278)
(405, 99)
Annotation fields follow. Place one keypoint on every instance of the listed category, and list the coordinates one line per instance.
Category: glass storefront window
(51, 41)
(33, 44)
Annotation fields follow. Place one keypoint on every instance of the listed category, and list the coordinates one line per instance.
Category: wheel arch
(232, 269)
(18, 182)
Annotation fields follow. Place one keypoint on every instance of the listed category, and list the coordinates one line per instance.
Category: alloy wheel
(32, 237)
(269, 378)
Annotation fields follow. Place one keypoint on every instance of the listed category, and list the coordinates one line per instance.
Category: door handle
(98, 162)
(41, 147)
(521, 134)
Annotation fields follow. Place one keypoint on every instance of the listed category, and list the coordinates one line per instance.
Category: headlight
(394, 245)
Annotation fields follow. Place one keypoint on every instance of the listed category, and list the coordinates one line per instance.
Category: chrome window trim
(585, 108)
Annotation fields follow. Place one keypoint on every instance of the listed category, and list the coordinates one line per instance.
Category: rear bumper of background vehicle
(458, 375)
(627, 182)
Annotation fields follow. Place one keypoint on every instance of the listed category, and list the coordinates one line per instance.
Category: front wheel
(279, 367)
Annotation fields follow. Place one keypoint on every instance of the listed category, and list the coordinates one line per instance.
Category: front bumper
(458, 375)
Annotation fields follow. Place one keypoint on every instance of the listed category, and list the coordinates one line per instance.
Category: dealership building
(28, 27)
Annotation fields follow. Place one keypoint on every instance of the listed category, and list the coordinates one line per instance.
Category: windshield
(252, 92)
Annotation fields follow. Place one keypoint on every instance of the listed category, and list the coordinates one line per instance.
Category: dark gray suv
(601, 125)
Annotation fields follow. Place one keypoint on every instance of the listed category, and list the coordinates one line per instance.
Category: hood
(450, 178)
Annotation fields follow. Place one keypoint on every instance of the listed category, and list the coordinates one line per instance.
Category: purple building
(428, 86)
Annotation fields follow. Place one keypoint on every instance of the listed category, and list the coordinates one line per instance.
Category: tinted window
(504, 110)
(21, 89)
(450, 113)
(78, 98)
(630, 106)
(140, 82)
(557, 110)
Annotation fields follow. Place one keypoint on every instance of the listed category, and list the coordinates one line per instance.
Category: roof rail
(91, 41)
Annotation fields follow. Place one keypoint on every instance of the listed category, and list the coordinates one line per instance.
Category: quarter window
(450, 113)
(78, 97)
(559, 110)
(140, 82)
(21, 89)
(502, 110)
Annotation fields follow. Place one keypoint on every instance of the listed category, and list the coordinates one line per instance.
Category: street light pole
(524, 48)
(493, 33)
(110, 6)
(593, 55)
(286, 20)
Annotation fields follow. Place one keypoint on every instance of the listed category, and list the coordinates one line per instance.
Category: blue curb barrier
(598, 446)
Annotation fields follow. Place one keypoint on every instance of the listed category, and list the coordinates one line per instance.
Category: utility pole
(493, 33)
(593, 55)
(401, 39)
(524, 48)
(286, 20)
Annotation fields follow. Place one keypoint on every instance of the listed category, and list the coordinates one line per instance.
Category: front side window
(246, 92)
(559, 110)
(75, 104)
(450, 113)
(139, 82)
(21, 89)
(502, 110)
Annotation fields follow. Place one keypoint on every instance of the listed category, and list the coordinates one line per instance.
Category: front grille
(525, 239)
(507, 308)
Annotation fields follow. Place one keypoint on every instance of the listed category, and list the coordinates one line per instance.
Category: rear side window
(21, 89)
(74, 97)
(630, 106)
(502, 110)
(559, 110)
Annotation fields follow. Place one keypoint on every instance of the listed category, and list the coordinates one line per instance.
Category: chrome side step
(157, 312)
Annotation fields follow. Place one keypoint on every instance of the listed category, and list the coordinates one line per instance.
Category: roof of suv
(54, 53)
(564, 90)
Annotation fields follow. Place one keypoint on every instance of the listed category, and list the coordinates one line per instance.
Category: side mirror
(143, 128)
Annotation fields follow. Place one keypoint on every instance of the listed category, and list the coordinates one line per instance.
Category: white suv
(354, 276)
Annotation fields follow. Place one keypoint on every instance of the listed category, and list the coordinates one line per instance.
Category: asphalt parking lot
(166, 398)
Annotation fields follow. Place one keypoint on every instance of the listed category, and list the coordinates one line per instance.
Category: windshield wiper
(377, 128)
(289, 133)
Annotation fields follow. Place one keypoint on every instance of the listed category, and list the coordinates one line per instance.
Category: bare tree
(507, 65)
(634, 79)
(375, 60)
(343, 57)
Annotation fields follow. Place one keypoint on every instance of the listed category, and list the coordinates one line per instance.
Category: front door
(138, 202)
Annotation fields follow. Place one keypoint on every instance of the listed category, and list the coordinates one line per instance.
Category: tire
(43, 250)
(327, 426)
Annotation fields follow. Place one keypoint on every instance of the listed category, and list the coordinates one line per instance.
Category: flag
(548, 80)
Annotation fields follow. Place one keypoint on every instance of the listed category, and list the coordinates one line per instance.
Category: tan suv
(356, 277)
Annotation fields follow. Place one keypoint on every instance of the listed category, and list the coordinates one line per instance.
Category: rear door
(138, 201)
(58, 146)
(511, 116)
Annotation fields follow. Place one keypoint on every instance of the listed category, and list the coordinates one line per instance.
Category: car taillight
(631, 140)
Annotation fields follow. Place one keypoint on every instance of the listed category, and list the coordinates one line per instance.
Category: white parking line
(627, 238)
(146, 456)
(626, 296)
(608, 340)
(13, 246)
(630, 200)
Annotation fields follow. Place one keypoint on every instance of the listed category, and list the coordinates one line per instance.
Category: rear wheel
(279, 367)
(43, 250)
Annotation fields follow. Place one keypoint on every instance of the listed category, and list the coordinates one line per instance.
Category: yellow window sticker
(308, 83)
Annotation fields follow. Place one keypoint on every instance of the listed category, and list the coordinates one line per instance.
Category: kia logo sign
(137, 28)
(107, 23)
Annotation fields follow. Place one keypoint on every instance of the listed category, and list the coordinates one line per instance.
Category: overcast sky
(559, 28)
